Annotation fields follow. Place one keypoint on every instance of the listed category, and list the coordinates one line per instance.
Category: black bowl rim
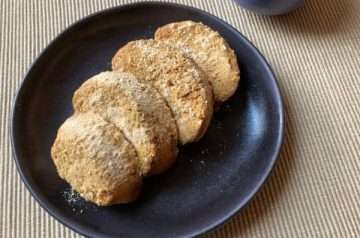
(49, 208)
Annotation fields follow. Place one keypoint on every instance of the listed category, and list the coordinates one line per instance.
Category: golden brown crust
(96, 159)
(176, 77)
(209, 50)
(138, 111)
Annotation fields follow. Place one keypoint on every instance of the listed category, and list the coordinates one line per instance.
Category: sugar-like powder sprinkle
(71, 196)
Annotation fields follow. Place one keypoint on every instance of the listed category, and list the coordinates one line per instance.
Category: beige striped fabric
(315, 52)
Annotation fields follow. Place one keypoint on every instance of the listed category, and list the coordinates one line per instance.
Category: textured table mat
(314, 190)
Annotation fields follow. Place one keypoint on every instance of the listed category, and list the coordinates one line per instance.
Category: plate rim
(87, 231)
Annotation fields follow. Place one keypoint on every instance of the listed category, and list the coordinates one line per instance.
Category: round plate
(211, 180)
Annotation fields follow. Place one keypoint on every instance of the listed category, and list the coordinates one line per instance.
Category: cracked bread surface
(209, 50)
(138, 111)
(176, 77)
(94, 157)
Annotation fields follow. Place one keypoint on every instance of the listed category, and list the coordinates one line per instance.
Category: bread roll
(209, 50)
(138, 111)
(96, 159)
(176, 77)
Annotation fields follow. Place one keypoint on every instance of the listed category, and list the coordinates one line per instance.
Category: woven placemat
(314, 190)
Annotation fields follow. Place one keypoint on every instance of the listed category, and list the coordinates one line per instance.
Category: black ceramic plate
(212, 179)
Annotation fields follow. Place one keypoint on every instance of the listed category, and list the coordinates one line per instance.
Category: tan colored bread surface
(209, 50)
(138, 111)
(176, 77)
(96, 159)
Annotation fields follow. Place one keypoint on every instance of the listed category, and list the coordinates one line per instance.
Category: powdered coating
(138, 111)
(176, 77)
(96, 159)
(209, 50)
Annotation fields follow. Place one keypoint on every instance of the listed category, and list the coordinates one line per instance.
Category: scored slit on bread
(138, 111)
(176, 77)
